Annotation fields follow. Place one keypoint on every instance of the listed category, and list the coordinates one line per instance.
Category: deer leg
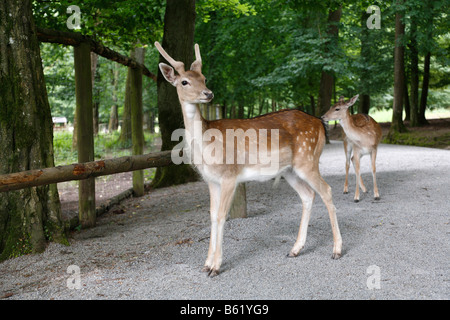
(355, 160)
(227, 189)
(348, 152)
(214, 194)
(361, 183)
(314, 179)
(373, 157)
(307, 196)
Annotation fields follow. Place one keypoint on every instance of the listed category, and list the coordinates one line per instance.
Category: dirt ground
(153, 247)
(437, 134)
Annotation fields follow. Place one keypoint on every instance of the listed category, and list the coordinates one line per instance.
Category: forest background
(261, 56)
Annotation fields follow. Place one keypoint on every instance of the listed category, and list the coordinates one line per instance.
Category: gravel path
(154, 247)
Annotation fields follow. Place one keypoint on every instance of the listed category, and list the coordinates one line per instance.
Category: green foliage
(117, 23)
(234, 7)
(278, 52)
(106, 145)
(255, 52)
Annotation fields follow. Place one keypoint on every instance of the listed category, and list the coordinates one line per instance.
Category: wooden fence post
(85, 132)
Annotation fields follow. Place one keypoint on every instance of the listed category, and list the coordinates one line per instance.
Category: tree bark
(113, 115)
(32, 216)
(125, 128)
(406, 104)
(137, 125)
(178, 41)
(365, 76)
(364, 105)
(327, 78)
(425, 83)
(399, 77)
(414, 94)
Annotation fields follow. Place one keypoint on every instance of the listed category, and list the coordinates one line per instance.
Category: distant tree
(178, 41)
(327, 77)
(399, 69)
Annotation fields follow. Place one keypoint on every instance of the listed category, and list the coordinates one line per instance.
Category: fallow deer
(362, 134)
(296, 142)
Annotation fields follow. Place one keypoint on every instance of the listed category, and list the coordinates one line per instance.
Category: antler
(197, 64)
(178, 65)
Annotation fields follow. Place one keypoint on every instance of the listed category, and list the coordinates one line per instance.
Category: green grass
(106, 146)
(419, 139)
(386, 115)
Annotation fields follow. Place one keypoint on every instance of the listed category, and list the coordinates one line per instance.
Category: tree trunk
(399, 77)
(113, 115)
(125, 129)
(137, 125)
(95, 102)
(407, 104)
(240, 110)
(425, 82)
(32, 216)
(364, 105)
(178, 41)
(414, 100)
(365, 75)
(327, 79)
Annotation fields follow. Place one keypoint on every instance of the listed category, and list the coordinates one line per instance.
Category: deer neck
(346, 122)
(195, 126)
(192, 117)
(350, 130)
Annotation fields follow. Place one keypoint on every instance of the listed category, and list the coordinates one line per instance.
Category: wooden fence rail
(80, 171)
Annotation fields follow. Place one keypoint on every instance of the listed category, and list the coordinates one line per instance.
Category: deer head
(339, 110)
(190, 84)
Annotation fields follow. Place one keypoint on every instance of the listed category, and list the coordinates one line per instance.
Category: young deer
(362, 134)
(294, 147)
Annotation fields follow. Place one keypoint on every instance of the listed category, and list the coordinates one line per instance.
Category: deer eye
(184, 82)
(337, 109)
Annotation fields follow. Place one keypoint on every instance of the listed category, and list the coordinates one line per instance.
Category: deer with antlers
(362, 134)
(293, 149)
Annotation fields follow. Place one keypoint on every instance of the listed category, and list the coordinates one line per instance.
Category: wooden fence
(87, 169)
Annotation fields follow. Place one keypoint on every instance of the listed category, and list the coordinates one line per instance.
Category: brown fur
(362, 134)
(300, 143)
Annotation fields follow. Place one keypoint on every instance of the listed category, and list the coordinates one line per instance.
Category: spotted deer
(361, 134)
(293, 147)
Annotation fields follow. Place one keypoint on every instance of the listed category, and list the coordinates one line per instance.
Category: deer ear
(352, 101)
(168, 73)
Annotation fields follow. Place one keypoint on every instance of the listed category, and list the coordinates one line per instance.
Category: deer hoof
(377, 198)
(356, 200)
(206, 269)
(291, 255)
(212, 273)
(336, 256)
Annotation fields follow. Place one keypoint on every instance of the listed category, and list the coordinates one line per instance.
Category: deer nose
(208, 94)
